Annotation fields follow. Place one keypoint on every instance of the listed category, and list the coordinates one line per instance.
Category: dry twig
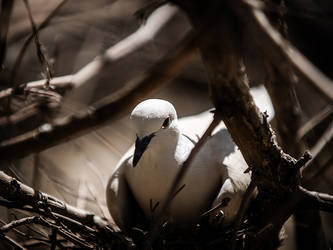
(107, 109)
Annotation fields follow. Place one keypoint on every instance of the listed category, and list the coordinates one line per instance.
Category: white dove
(146, 172)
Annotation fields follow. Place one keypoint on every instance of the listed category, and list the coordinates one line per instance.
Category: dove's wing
(118, 197)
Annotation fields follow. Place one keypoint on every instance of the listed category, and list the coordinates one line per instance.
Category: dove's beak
(140, 147)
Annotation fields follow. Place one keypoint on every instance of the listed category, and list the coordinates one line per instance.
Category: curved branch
(125, 47)
(316, 200)
(110, 108)
(279, 49)
(22, 195)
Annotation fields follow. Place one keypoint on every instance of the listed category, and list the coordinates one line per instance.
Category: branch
(127, 46)
(241, 212)
(80, 227)
(36, 30)
(316, 200)
(22, 195)
(278, 49)
(181, 173)
(314, 122)
(12, 242)
(107, 109)
(310, 169)
(42, 59)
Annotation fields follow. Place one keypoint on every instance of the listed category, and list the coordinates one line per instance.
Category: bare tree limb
(36, 30)
(125, 47)
(314, 122)
(277, 50)
(42, 58)
(21, 195)
(316, 200)
(107, 109)
(309, 169)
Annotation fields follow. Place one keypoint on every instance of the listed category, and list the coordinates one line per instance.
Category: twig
(316, 200)
(322, 142)
(241, 212)
(127, 46)
(19, 58)
(308, 178)
(15, 191)
(185, 166)
(42, 58)
(278, 50)
(107, 109)
(314, 122)
(12, 242)
(17, 223)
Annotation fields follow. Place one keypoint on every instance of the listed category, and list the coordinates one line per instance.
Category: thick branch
(249, 128)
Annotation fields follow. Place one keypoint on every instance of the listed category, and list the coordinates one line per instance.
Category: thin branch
(42, 58)
(22, 195)
(19, 58)
(316, 200)
(314, 122)
(16, 223)
(320, 145)
(278, 49)
(177, 180)
(318, 172)
(241, 212)
(125, 47)
(12, 242)
(107, 109)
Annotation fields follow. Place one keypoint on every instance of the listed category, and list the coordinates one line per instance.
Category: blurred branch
(42, 58)
(242, 211)
(278, 49)
(314, 122)
(6, 11)
(310, 170)
(19, 58)
(316, 200)
(125, 47)
(12, 242)
(107, 109)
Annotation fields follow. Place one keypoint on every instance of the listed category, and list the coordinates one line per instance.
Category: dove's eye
(166, 123)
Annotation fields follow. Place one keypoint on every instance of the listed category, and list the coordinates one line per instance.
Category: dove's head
(155, 121)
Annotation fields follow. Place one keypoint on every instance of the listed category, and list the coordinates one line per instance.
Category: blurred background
(77, 171)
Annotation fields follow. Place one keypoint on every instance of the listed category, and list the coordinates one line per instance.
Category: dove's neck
(164, 145)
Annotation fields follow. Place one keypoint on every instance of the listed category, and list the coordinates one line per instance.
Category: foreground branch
(22, 195)
(80, 228)
(181, 173)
